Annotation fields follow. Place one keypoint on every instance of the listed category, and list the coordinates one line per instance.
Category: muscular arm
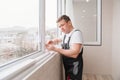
(72, 52)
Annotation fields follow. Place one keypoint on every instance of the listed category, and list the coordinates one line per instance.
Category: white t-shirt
(76, 37)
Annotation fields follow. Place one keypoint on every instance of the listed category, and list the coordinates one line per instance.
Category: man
(72, 48)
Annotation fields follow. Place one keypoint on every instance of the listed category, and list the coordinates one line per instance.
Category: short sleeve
(76, 37)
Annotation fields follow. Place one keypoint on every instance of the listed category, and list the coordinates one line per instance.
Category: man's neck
(71, 29)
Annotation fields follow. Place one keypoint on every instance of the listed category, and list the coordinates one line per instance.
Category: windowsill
(25, 67)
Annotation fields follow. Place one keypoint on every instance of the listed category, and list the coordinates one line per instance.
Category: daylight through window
(19, 28)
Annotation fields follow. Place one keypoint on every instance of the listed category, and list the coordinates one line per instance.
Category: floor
(96, 77)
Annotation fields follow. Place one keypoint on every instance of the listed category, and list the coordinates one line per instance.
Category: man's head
(63, 17)
(65, 24)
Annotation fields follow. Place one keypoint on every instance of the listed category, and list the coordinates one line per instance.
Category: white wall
(98, 59)
(105, 59)
(116, 40)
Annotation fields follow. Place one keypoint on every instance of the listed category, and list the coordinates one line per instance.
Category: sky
(25, 13)
(19, 13)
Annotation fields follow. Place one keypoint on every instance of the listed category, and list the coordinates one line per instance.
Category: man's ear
(69, 22)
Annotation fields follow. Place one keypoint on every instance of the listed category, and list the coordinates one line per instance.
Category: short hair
(63, 17)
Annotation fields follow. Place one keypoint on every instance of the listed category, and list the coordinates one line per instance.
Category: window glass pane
(85, 17)
(51, 17)
(19, 25)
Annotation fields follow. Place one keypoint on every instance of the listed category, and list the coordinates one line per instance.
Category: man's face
(63, 26)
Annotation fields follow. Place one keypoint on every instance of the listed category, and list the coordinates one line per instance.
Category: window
(86, 16)
(23, 28)
(19, 29)
(50, 19)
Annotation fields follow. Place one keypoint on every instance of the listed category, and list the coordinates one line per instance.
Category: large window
(50, 19)
(24, 27)
(19, 29)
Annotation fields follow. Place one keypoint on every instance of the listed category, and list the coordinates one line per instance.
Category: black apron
(73, 66)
